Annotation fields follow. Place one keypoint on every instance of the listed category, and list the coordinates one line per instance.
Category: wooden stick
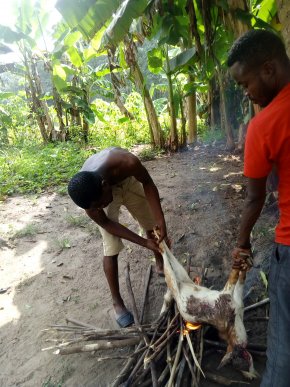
(134, 308)
(188, 262)
(222, 380)
(201, 345)
(161, 338)
(180, 372)
(193, 353)
(168, 350)
(146, 370)
(135, 369)
(250, 346)
(63, 344)
(260, 318)
(79, 323)
(160, 347)
(147, 280)
(97, 346)
(163, 375)
(176, 361)
(254, 306)
(186, 355)
(119, 379)
(143, 334)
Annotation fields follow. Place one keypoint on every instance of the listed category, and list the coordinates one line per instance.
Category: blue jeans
(277, 373)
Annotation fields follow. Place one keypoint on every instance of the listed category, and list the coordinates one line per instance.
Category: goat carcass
(221, 309)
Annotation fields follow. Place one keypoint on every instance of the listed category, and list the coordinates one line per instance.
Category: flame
(190, 327)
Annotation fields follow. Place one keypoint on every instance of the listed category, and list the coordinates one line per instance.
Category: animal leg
(168, 297)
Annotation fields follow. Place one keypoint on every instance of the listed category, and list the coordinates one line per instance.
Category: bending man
(108, 180)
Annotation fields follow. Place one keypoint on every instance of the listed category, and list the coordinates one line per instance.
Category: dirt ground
(51, 266)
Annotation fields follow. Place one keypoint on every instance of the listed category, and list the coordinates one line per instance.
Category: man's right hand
(242, 259)
(153, 245)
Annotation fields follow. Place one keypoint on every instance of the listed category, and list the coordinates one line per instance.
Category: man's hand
(153, 245)
(161, 228)
(243, 259)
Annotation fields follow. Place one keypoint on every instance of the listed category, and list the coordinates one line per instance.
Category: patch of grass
(207, 135)
(149, 153)
(29, 230)
(34, 169)
(51, 383)
(93, 229)
(77, 220)
(64, 243)
(264, 231)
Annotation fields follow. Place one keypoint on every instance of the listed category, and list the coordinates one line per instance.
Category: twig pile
(166, 352)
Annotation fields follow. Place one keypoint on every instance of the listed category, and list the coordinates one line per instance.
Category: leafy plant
(77, 221)
(64, 243)
(29, 230)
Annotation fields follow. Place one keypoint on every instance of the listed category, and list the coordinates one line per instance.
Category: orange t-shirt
(268, 143)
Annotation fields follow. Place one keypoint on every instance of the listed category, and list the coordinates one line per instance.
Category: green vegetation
(77, 221)
(64, 243)
(29, 230)
(127, 78)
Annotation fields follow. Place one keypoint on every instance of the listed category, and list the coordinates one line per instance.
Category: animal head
(241, 360)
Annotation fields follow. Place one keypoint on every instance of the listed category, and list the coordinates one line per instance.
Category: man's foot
(125, 320)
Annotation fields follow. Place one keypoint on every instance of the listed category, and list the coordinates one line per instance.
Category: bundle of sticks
(167, 352)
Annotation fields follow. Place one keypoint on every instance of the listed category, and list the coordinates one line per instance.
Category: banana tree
(116, 32)
(163, 60)
(28, 29)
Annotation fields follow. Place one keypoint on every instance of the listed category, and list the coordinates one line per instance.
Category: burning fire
(190, 327)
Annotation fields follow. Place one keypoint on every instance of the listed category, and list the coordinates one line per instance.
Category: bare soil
(51, 266)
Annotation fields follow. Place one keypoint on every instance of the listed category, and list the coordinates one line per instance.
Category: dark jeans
(277, 373)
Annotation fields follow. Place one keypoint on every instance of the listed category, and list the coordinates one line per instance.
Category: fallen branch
(222, 380)
(97, 346)
(137, 323)
(254, 306)
(147, 280)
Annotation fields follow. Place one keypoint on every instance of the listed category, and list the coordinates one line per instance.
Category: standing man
(108, 180)
(259, 63)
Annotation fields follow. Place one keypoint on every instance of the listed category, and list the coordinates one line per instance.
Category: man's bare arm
(114, 228)
(256, 194)
(152, 195)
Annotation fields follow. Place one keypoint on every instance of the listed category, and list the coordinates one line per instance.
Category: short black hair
(84, 188)
(255, 47)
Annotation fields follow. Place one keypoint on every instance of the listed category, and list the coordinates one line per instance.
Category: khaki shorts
(130, 194)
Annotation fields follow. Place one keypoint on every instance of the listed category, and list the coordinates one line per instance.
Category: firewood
(147, 280)
(176, 360)
(137, 323)
(254, 306)
(97, 346)
(222, 380)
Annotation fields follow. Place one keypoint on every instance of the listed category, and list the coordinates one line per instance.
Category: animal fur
(221, 309)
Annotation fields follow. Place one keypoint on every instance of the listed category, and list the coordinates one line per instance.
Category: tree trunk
(182, 142)
(35, 103)
(85, 130)
(191, 115)
(236, 25)
(62, 133)
(284, 17)
(39, 94)
(173, 141)
(115, 84)
(230, 144)
(154, 125)
(209, 33)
